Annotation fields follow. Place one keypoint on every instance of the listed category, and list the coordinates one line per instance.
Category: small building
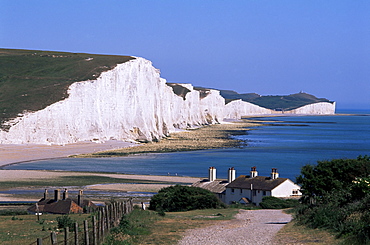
(252, 188)
(64, 205)
(249, 189)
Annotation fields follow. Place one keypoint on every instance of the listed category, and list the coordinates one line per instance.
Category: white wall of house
(235, 194)
(286, 189)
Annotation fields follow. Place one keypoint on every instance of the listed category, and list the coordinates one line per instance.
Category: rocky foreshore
(207, 137)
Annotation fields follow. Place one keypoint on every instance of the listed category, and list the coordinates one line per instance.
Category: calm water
(287, 144)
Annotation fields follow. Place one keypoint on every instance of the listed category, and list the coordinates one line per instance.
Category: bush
(336, 196)
(184, 198)
(65, 221)
(270, 202)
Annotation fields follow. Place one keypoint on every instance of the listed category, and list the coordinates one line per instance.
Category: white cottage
(252, 188)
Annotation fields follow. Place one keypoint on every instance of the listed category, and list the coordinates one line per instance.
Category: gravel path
(249, 227)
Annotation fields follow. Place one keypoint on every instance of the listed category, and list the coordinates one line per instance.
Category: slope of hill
(30, 80)
(274, 102)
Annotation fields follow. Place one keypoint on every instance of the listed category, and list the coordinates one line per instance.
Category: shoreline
(19, 153)
(203, 138)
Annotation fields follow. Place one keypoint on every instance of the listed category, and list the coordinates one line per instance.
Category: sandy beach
(29, 152)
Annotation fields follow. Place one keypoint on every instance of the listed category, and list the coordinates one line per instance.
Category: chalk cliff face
(320, 108)
(129, 102)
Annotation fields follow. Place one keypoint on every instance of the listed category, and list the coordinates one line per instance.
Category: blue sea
(285, 142)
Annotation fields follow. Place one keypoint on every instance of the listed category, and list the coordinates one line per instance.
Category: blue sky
(267, 47)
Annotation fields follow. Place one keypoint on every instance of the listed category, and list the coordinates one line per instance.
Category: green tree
(336, 196)
(317, 181)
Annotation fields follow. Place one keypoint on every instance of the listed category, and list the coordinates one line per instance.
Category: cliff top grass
(30, 80)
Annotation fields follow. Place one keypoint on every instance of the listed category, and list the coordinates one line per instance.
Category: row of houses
(250, 188)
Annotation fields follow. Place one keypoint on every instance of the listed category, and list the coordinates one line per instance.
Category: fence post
(125, 208)
(39, 241)
(53, 237)
(108, 216)
(95, 237)
(86, 230)
(66, 235)
(76, 233)
(102, 224)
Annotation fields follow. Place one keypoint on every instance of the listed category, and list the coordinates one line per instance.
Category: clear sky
(274, 47)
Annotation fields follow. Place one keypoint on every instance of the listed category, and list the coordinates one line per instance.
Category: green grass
(25, 229)
(72, 181)
(30, 80)
(147, 227)
(292, 233)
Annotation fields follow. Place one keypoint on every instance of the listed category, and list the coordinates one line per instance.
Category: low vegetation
(18, 228)
(148, 227)
(270, 202)
(336, 197)
(293, 233)
(184, 198)
(30, 80)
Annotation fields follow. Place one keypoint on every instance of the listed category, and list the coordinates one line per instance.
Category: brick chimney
(56, 195)
(231, 175)
(46, 194)
(274, 173)
(212, 174)
(65, 194)
(253, 172)
(79, 198)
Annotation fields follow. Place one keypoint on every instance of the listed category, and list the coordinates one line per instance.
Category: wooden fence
(108, 217)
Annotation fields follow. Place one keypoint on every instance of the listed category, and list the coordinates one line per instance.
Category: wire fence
(107, 218)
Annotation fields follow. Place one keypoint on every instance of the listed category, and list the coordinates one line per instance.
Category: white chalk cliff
(130, 102)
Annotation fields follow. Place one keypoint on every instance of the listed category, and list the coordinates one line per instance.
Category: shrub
(184, 198)
(336, 196)
(65, 221)
(270, 202)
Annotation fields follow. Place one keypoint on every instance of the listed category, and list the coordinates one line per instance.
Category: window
(254, 193)
(232, 190)
(241, 191)
(264, 193)
(295, 192)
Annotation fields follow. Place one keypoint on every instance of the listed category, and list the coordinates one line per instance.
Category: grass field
(30, 80)
(148, 227)
(25, 229)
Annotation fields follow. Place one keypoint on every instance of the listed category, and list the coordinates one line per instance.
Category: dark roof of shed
(57, 207)
(259, 183)
(217, 186)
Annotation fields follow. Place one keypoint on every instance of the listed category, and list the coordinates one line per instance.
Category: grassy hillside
(30, 80)
(275, 102)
